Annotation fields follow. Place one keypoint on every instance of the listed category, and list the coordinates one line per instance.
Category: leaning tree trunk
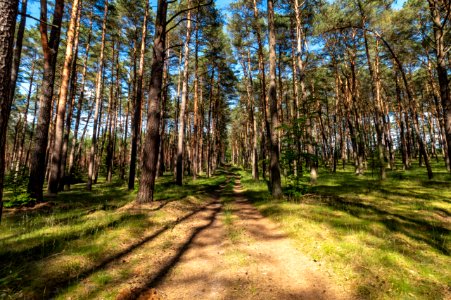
(276, 186)
(8, 13)
(152, 138)
(412, 110)
(50, 49)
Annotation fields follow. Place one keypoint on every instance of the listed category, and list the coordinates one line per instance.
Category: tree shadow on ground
(433, 234)
(68, 222)
(170, 264)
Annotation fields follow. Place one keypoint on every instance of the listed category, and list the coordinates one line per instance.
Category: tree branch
(188, 9)
(182, 20)
(34, 18)
(173, 46)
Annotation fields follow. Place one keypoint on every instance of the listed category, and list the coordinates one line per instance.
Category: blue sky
(33, 7)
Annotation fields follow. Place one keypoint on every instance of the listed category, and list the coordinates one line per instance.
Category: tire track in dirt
(242, 255)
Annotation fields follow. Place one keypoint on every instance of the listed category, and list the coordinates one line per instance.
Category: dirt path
(238, 254)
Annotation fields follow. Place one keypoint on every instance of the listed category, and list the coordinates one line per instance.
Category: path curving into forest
(236, 253)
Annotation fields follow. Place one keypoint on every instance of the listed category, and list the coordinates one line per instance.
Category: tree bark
(276, 186)
(50, 49)
(8, 13)
(61, 109)
(98, 99)
(195, 147)
(152, 139)
(442, 70)
(375, 88)
(18, 48)
(72, 155)
(136, 126)
(182, 117)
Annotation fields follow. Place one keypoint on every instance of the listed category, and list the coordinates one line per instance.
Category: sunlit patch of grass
(383, 240)
(102, 278)
(49, 251)
(236, 259)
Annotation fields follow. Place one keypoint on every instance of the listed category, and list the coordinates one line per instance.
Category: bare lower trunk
(136, 126)
(8, 13)
(98, 99)
(61, 109)
(50, 49)
(152, 138)
(276, 186)
(181, 129)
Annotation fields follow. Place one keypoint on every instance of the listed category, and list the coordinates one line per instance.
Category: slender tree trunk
(71, 166)
(181, 129)
(412, 109)
(442, 70)
(195, 147)
(50, 49)
(375, 88)
(209, 124)
(8, 13)
(162, 157)
(110, 124)
(136, 126)
(262, 76)
(98, 99)
(276, 186)
(18, 48)
(152, 138)
(73, 90)
(24, 127)
(61, 109)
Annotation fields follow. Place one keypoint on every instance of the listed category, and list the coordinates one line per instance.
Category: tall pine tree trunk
(182, 117)
(136, 126)
(8, 13)
(276, 186)
(18, 48)
(152, 138)
(442, 70)
(98, 99)
(50, 49)
(61, 109)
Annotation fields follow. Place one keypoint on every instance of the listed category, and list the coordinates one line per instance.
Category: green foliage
(295, 188)
(16, 183)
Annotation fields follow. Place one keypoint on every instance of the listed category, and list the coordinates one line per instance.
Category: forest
(225, 149)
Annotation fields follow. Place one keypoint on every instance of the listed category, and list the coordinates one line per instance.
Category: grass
(383, 240)
(46, 252)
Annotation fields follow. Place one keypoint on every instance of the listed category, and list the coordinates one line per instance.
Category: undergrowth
(382, 240)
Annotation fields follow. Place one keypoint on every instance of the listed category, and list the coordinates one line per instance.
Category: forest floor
(210, 244)
(224, 238)
(242, 255)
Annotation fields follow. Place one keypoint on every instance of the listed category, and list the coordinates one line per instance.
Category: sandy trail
(239, 254)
